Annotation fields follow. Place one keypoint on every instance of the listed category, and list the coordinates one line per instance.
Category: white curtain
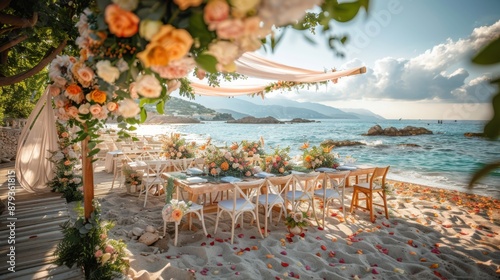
(37, 138)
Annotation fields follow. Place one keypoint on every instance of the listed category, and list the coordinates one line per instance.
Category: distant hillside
(183, 108)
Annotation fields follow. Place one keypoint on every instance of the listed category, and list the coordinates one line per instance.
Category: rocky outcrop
(392, 131)
(411, 145)
(342, 143)
(256, 120)
(474, 134)
(301, 120)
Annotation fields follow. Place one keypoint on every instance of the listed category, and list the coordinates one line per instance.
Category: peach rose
(98, 96)
(215, 12)
(84, 109)
(176, 69)
(148, 86)
(121, 22)
(177, 215)
(109, 249)
(54, 90)
(72, 111)
(230, 29)
(184, 4)
(200, 73)
(226, 53)
(133, 91)
(95, 109)
(173, 85)
(128, 108)
(98, 254)
(166, 45)
(107, 72)
(111, 106)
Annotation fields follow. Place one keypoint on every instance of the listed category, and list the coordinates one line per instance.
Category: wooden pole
(88, 179)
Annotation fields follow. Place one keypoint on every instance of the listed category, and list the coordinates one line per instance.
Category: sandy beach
(431, 234)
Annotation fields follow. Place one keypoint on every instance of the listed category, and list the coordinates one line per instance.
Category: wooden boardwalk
(37, 233)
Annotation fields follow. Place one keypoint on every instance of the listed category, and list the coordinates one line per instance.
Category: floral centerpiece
(252, 148)
(318, 156)
(277, 162)
(296, 221)
(227, 161)
(175, 210)
(133, 178)
(175, 147)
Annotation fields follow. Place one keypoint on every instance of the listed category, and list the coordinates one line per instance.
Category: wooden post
(88, 179)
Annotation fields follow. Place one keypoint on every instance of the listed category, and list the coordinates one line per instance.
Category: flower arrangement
(175, 147)
(252, 148)
(132, 177)
(87, 245)
(66, 180)
(175, 209)
(297, 219)
(226, 161)
(277, 162)
(316, 157)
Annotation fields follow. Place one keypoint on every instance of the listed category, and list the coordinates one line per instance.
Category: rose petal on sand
(284, 264)
(323, 247)
(434, 265)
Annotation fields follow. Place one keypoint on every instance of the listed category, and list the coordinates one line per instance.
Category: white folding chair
(241, 202)
(276, 187)
(333, 188)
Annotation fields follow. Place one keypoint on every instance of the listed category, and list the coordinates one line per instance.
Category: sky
(417, 54)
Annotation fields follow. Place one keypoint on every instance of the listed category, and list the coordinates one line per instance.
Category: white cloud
(438, 74)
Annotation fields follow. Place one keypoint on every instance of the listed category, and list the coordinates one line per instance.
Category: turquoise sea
(445, 159)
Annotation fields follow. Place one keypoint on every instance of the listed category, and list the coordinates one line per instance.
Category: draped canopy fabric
(255, 66)
(37, 139)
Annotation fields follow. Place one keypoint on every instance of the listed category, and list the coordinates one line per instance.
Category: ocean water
(446, 159)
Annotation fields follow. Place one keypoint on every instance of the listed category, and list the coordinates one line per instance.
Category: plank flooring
(37, 233)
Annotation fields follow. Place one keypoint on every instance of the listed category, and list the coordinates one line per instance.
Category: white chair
(153, 177)
(180, 165)
(275, 189)
(241, 202)
(333, 188)
(194, 208)
(302, 189)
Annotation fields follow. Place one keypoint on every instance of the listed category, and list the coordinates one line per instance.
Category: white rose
(122, 65)
(107, 72)
(148, 86)
(128, 108)
(84, 109)
(128, 5)
(149, 28)
(225, 52)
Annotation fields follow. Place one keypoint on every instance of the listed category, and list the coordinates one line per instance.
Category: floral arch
(135, 52)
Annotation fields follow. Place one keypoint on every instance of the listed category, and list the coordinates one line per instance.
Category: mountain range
(278, 108)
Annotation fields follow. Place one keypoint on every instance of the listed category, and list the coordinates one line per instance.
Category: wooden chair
(153, 176)
(374, 186)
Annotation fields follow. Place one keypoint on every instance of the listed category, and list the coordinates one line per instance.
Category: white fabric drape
(254, 66)
(33, 169)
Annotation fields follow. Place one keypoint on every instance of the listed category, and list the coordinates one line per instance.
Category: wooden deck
(37, 233)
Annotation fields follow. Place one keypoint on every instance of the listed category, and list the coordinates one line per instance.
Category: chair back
(305, 182)
(180, 165)
(278, 185)
(336, 180)
(246, 190)
(154, 168)
(377, 180)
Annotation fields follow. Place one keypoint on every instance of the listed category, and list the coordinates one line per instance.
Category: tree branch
(12, 43)
(17, 21)
(4, 4)
(51, 54)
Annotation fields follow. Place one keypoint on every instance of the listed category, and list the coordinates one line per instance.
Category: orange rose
(121, 22)
(74, 92)
(98, 96)
(224, 166)
(184, 4)
(308, 158)
(167, 45)
(177, 215)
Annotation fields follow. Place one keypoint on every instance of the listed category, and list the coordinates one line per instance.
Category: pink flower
(176, 69)
(215, 12)
(133, 91)
(109, 249)
(200, 74)
(98, 254)
(72, 112)
(230, 29)
(148, 86)
(111, 106)
(54, 90)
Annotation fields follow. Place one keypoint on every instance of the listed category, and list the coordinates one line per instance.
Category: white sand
(431, 234)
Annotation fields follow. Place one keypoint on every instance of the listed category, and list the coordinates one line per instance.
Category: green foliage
(66, 180)
(490, 55)
(86, 245)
